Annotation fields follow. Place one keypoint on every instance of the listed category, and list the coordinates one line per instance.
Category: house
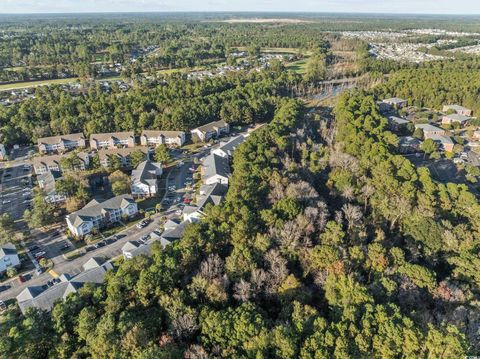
(174, 232)
(460, 110)
(61, 143)
(209, 194)
(155, 138)
(8, 257)
(123, 154)
(397, 123)
(211, 130)
(101, 214)
(44, 164)
(145, 179)
(215, 169)
(430, 130)
(396, 102)
(47, 182)
(455, 118)
(112, 140)
(136, 248)
(226, 149)
(94, 271)
(409, 144)
(445, 143)
(3, 152)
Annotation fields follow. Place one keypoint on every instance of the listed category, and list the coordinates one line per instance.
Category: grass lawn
(298, 66)
(149, 203)
(27, 84)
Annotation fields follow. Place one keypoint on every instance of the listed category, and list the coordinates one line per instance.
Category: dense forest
(434, 84)
(175, 104)
(328, 245)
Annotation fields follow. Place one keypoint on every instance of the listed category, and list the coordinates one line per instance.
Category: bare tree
(348, 193)
(242, 291)
(277, 272)
(302, 191)
(367, 191)
(195, 351)
(184, 326)
(258, 279)
(288, 237)
(212, 267)
(339, 217)
(353, 215)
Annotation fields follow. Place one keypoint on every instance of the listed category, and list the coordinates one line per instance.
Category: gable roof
(57, 139)
(429, 128)
(230, 146)
(157, 133)
(55, 159)
(444, 140)
(212, 126)
(216, 165)
(176, 232)
(7, 249)
(45, 299)
(121, 152)
(397, 120)
(95, 209)
(456, 108)
(146, 173)
(394, 100)
(457, 117)
(121, 136)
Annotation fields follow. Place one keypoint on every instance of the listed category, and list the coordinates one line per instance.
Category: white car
(7, 201)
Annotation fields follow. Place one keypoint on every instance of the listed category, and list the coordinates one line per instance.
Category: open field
(298, 66)
(28, 84)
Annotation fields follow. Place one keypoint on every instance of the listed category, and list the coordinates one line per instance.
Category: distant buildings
(94, 271)
(215, 169)
(145, 179)
(430, 130)
(211, 130)
(99, 215)
(112, 140)
(409, 144)
(61, 143)
(455, 118)
(123, 155)
(397, 123)
(155, 138)
(444, 142)
(44, 164)
(396, 102)
(8, 257)
(460, 110)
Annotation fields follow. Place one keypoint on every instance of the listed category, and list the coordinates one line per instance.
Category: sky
(375, 6)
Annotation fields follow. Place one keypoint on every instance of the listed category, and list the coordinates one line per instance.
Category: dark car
(22, 279)
(89, 248)
(65, 247)
(33, 248)
(50, 283)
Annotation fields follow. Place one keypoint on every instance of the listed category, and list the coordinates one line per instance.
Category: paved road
(75, 266)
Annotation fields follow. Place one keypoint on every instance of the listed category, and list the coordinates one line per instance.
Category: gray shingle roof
(146, 173)
(45, 299)
(216, 165)
(455, 117)
(175, 233)
(95, 209)
(7, 249)
(230, 146)
(429, 128)
(212, 126)
(167, 134)
(56, 139)
(120, 136)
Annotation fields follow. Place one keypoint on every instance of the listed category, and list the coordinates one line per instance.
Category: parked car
(38, 271)
(65, 247)
(39, 254)
(33, 248)
(89, 248)
(21, 279)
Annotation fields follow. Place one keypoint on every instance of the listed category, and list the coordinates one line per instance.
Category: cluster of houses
(44, 297)
(454, 115)
(215, 176)
(144, 179)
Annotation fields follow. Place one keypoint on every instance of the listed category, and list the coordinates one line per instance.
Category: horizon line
(239, 12)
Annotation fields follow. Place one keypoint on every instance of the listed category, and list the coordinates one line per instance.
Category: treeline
(174, 104)
(326, 246)
(435, 84)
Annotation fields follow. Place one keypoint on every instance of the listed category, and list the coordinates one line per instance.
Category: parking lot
(15, 190)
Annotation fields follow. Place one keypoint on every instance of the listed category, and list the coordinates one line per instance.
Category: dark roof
(56, 139)
(175, 233)
(230, 146)
(212, 126)
(7, 249)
